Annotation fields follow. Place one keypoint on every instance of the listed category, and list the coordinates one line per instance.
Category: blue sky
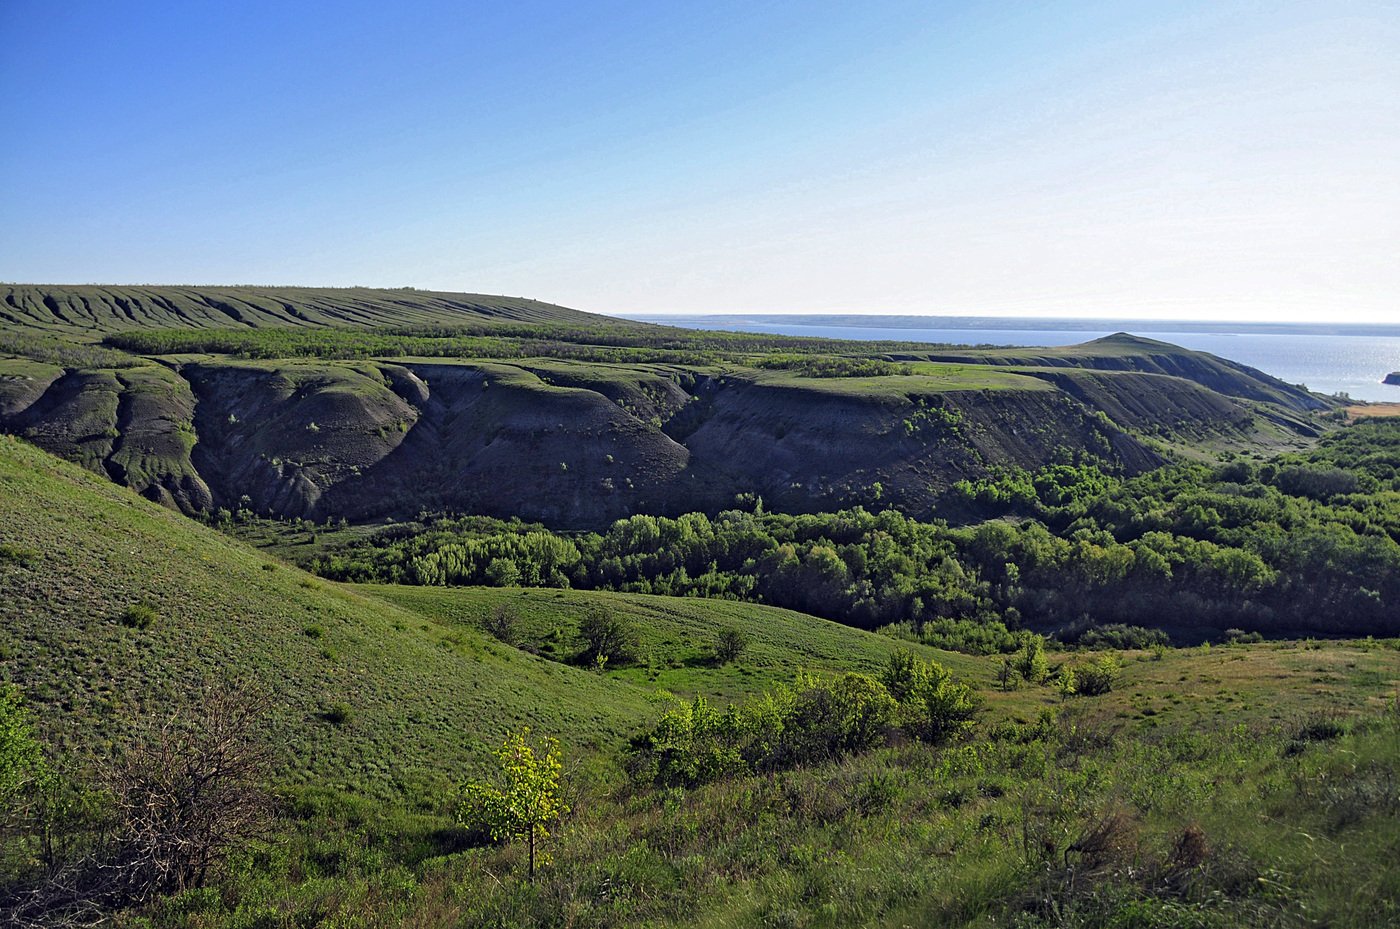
(1214, 160)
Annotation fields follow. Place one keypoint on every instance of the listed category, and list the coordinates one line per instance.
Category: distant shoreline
(1020, 323)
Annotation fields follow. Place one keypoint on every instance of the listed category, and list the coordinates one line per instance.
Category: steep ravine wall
(374, 439)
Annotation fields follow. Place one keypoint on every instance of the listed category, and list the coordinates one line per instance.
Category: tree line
(618, 343)
(1304, 543)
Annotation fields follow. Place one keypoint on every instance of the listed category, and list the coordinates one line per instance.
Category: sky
(1181, 160)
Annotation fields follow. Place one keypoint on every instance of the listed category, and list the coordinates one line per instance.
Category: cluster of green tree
(1031, 665)
(814, 720)
(53, 350)
(1307, 543)
(343, 344)
(611, 343)
(835, 366)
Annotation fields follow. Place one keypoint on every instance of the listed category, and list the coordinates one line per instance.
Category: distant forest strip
(620, 343)
(1307, 543)
(50, 349)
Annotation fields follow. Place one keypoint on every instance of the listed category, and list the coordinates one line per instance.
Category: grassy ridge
(593, 418)
(95, 310)
(426, 691)
(81, 552)
(677, 635)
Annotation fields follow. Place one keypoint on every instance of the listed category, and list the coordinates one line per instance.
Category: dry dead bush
(182, 795)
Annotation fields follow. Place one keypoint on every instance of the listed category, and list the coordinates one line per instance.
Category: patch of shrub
(608, 638)
(138, 616)
(503, 624)
(1317, 483)
(1321, 729)
(730, 644)
(1119, 636)
(18, 554)
(971, 637)
(931, 706)
(1240, 637)
(812, 720)
(1098, 678)
(337, 714)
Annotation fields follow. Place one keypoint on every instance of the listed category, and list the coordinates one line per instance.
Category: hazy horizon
(1198, 161)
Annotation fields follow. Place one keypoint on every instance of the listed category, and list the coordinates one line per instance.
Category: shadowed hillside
(366, 404)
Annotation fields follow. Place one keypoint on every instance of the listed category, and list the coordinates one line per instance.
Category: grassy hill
(578, 442)
(97, 310)
(677, 636)
(1125, 352)
(425, 691)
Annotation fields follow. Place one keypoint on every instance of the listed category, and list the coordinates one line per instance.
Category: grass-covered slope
(79, 552)
(1125, 352)
(582, 443)
(677, 635)
(98, 309)
(425, 693)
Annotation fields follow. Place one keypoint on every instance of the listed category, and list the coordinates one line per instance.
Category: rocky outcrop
(133, 424)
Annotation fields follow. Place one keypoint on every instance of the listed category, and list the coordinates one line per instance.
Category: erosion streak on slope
(116, 308)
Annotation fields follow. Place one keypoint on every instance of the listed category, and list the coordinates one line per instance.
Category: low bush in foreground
(811, 721)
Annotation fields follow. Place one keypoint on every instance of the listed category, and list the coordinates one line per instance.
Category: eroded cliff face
(580, 444)
(134, 424)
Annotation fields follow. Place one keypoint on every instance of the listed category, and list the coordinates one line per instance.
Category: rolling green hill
(1125, 352)
(97, 310)
(425, 691)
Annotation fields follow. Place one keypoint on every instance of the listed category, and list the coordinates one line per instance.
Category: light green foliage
(36, 803)
(692, 743)
(1098, 678)
(828, 719)
(1066, 684)
(903, 674)
(525, 798)
(1031, 662)
(21, 758)
(810, 721)
(932, 706)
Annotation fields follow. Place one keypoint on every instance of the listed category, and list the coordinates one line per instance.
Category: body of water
(1328, 363)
